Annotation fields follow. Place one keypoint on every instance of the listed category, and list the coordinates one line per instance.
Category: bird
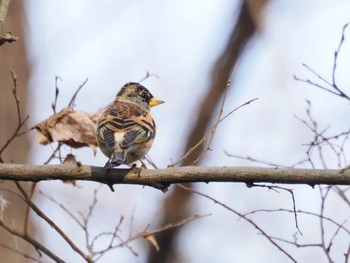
(126, 130)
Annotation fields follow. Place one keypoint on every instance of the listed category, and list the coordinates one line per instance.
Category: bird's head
(138, 94)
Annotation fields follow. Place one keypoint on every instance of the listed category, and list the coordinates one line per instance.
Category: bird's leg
(143, 165)
(136, 170)
(108, 164)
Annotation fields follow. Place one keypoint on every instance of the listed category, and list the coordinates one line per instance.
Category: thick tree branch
(165, 177)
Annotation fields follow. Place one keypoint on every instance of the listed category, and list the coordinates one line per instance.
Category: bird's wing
(125, 126)
(139, 133)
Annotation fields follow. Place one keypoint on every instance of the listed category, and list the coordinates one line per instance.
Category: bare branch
(276, 188)
(20, 123)
(341, 194)
(148, 75)
(330, 87)
(42, 215)
(245, 218)
(322, 140)
(57, 92)
(63, 207)
(72, 101)
(183, 222)
(37, 245)
(53, 155)
(148, 235)
(336, 57)
(251, 159)
(312, 214)
(210, 132)
(26, 216)
(328, 248)
(36, 173)
(19, 252)
(215, 126)
(347, 254)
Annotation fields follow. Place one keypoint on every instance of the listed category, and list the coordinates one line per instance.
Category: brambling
(126, 129)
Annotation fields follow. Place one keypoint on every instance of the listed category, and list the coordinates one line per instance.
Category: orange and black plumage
(126, 129)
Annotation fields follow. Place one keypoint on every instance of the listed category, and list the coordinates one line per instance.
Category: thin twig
(63, 207)
(37, 245)
(209, 132)
(57, 92)
(215, 126)
(42, 215)
(85, 222)
(26, 216)
(72, 101)
(341, 194)
(347, 254)
(317, 75)
(251, 159)
(143, 234)
(169, 226)
(324, 247)
(20, 122)
(335, 234)
(336, 60)
(242, 216)
(295, 243)
(113, 236)
(333, 87)
(53, 155)
(147, 76)
(276, 187)
(321, 139)
(84, 226)
(20, 252)
(279, 210)
(307, 81)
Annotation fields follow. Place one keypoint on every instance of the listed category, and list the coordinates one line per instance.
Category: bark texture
(168, 176)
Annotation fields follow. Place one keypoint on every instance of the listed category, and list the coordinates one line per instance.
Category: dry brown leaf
(73, 128)
(151, 238)
(70, 159)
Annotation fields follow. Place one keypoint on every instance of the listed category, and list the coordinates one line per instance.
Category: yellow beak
(154, 102)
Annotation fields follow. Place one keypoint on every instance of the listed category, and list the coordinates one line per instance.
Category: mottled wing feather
(129, 138)
(109, 138)
(125, 125)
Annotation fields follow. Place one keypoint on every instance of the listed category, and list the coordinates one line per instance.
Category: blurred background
(192, 46)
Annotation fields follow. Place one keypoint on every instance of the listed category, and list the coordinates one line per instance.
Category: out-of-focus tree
(13, 57)
(176, 204)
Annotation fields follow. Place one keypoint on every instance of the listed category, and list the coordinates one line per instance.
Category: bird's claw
(136, 170)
